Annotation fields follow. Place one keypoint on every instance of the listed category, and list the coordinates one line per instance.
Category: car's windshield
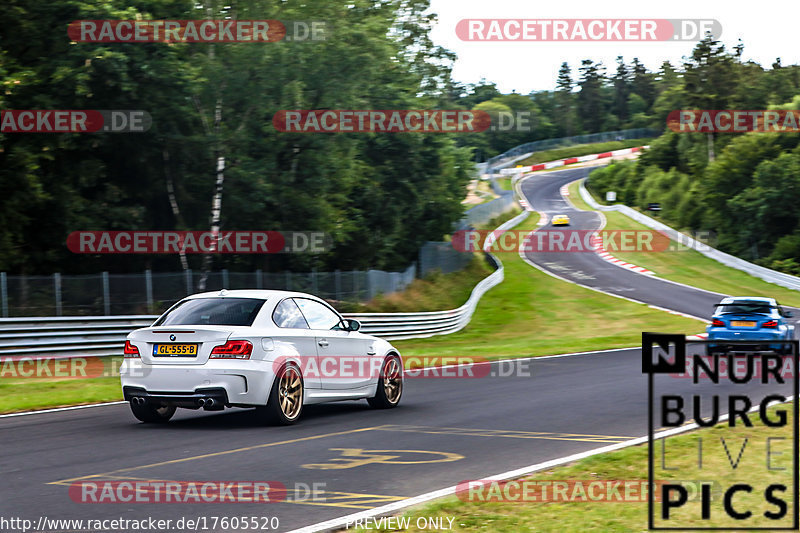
(213, 312)
(746, 308)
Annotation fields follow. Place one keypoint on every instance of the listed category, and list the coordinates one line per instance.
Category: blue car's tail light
(770, 324)
(717, 323)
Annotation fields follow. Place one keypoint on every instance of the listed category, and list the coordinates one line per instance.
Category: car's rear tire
(152, 414)
(285, 402)
(390, 385)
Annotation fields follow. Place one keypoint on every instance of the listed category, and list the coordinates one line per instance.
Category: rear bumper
(750, 341)
(191, 400)
(229, 382)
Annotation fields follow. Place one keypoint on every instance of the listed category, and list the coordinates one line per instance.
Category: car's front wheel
(285, 403)
(390, 385)
(152, 414)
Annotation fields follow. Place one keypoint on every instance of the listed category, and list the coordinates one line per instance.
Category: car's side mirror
(349, 324)
(788, 314)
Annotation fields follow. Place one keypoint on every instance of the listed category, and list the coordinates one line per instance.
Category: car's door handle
(322, 342)
(371, 352)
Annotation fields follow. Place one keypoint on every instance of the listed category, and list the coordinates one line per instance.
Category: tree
(591, 106)
(621, 90)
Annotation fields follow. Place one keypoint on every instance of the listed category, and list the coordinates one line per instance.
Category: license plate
(743, 323)
(175, 350)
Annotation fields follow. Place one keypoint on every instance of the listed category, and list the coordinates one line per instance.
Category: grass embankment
(631, 464)
(690, 266)
(532, 313)
(579, 150)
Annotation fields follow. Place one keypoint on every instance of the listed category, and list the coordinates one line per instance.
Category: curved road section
(542, 192)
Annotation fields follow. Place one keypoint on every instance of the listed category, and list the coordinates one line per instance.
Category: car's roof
(261, 294)
(739, 299)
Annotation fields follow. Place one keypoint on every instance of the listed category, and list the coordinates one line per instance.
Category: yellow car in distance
(560, 220)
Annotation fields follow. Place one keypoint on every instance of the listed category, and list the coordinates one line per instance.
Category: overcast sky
(767, 27)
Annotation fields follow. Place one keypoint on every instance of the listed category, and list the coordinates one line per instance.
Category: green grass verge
(504, 183)
(631, 464)
(23, 394)
(532, 313)
(579, 150)
(689, 266)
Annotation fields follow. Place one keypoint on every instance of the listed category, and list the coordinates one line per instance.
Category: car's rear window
(212, 312)
(745, 307)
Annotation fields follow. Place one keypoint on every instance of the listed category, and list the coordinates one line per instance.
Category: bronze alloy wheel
(392, 380)
(290, 392)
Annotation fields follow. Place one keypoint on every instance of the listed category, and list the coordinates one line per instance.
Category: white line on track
(511, 474)
(58, 409)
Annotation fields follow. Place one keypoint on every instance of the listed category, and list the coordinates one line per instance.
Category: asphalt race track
(587, 268)
(446, 430)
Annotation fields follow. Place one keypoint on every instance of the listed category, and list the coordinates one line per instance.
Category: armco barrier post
(57, 286)
(106, 295)
(337, 281)
(4, 293)
(259, 279)
(148, 288)
(225, 281)
(189, 285)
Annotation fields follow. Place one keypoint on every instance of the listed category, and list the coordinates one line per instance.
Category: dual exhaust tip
(206, 402)
(202, 402)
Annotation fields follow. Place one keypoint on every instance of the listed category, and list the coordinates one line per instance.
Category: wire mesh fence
(152, 292)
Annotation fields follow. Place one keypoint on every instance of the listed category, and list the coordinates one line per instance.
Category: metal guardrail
(767, 274)
(100, 336)
(508, 157)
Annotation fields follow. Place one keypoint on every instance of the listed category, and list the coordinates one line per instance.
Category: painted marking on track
(214, 454)
(512, 434)
(323, 498)
(353, 457)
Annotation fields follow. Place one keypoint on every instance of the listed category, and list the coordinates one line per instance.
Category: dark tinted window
(213, 312)
(288, 315)
(745, 307)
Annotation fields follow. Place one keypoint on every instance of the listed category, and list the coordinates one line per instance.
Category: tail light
(717, 323)
(130, 351)
(233, 350)
(770, 324)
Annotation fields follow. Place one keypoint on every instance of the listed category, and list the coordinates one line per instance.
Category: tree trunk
(216, 201)
(173, 202)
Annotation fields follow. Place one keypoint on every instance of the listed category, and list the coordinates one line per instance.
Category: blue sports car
(749, 318)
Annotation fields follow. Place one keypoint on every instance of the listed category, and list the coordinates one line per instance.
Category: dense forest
(744, 187)
(379, 195)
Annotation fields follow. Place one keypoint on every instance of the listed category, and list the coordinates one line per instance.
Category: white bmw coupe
(273, 350)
